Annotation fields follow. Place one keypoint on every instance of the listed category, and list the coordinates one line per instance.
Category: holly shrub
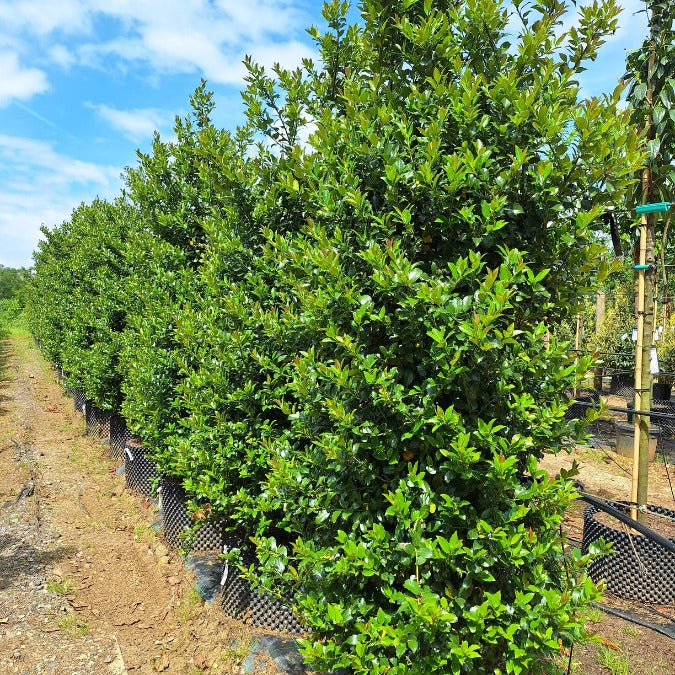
(75, 305)
(449, 202)
(336, 318)
(169, 190)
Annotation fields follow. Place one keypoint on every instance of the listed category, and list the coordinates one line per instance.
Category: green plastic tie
(641, 267)
(652, 208)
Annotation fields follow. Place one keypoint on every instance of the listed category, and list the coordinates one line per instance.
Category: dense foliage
(334, 319)
(443, 210)
(173, 191)
(77, 306)
(13, 283)
(651, 94)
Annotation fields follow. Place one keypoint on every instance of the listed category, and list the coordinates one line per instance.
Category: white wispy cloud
(182, 36)
(136, 124)
(17, 81)
(42, 17)
(39, 185)
(61, 56)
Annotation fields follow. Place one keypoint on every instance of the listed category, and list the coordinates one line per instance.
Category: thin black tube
(650, 534)
(664, 630)
(669, 416)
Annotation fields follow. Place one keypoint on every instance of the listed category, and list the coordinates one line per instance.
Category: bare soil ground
(621, 647)
(86, 584)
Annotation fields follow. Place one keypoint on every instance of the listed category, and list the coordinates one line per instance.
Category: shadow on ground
(19, 561)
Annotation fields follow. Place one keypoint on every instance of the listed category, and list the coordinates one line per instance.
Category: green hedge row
(330, 324)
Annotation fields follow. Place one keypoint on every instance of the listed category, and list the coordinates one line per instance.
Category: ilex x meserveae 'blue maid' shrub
(443, 230)
(75, 307)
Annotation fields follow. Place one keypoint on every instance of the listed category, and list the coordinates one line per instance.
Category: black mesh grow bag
(667, 424)
(97, 421)
(623, 384)
(638, 568)
(79, 400)
(140, 472)
(583, 402)
(119, 436)
(176, 520)
(240, 601)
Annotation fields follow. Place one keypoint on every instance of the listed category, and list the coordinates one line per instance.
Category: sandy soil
(620, 646)
(86, 584)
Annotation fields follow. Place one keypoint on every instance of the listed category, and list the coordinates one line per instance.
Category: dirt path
(622, 646)
(86, 585)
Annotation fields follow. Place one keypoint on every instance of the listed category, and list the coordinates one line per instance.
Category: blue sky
(83, 83)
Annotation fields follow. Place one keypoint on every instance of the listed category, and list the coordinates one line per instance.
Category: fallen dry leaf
(608, 643)
(200, 662)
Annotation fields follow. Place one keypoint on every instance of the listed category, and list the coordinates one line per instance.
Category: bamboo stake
(637, 400)
(645, 325)
(577, 343)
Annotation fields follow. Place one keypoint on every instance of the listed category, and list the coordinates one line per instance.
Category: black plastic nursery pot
(661, 390)
(120, 435)
(97, 421)
(79, 400)
(622, 384)
(582, 403)
(248, 605)
(140, 472)
(176, 520)
(638, 568)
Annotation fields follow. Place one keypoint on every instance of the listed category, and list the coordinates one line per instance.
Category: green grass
(631, 631)
(236, 654)
(189, 607)
(593, 614)
(63, 587)
(616, 662)
(72, 625)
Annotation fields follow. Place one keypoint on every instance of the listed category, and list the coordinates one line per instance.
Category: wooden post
(599, 321)
(577, 343)
(643, 348)
(645, 320)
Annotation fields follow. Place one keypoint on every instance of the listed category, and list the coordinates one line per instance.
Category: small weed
(631, 631)
(63, 587)
(189, 606)
(616, 662)
(235, 654)
(143, 533)
(593, 614)
(72, 625)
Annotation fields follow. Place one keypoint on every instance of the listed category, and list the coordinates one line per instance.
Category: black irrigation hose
(592, 351)
(661, 614)
(650, 534)
(663, 630)
(662, 415)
